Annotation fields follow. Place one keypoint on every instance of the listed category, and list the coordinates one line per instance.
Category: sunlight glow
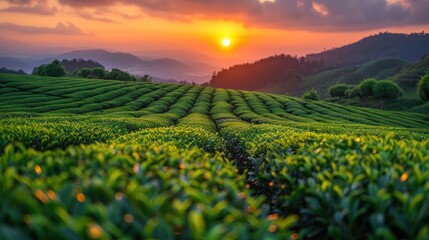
(226, 42)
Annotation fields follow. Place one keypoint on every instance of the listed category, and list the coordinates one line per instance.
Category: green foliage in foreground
(132, 160)
(137, 188)
(340, 186)
(57, 131)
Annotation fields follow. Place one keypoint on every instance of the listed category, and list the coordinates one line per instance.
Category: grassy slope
(407, 78)
(351, 75)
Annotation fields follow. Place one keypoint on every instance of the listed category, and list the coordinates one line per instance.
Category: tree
(353, 92)
(84, 72)
(98, 73)
(40, 70)
(146, 78)
(423, 87)
(338, 90)
(77, 64)
(386, 90)
(55, 69)
(117, 74)
(311, 95)
(366, 87)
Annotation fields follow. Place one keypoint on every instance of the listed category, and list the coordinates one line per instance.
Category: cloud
(61, 28)
(94, 16)
(28, 6)
(319, 15)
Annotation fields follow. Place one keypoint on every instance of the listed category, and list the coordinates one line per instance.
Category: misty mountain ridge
(15, 64)
(197, 67)
(160, 68)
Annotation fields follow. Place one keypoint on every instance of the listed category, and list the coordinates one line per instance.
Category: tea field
(101, 159)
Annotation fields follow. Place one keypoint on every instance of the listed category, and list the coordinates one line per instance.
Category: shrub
(311, 95)
(423, 87)
(386, 90)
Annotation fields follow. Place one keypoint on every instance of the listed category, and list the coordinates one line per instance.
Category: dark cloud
(61, 28)
(316, 15)
(326, 15)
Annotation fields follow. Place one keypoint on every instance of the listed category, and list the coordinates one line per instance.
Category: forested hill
(409, 47)
(278, 68)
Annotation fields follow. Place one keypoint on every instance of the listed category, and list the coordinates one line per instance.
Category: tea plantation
(101, 159)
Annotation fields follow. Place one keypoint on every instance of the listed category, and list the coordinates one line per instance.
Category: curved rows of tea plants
(100, 159)
(340, 186)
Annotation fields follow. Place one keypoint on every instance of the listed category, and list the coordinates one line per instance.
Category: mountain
(409, 47)
(160, 68)
(106, 58)
(274, 69)
(15, 64)
(379, 56)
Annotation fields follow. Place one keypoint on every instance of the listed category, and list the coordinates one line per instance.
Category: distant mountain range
(268, 74)
(15, 64)
(167, 69)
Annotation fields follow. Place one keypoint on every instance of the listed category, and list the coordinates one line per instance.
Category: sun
(226, 42)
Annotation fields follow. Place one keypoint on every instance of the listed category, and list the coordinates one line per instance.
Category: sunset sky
(256, 28)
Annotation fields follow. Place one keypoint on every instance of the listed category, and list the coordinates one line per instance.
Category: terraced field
(99, 159)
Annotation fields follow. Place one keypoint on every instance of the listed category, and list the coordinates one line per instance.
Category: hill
(321, 81)
(282, 68)
(85, 158)
(407, 76)
(106, 58)
(410, 47)
(376, 56)
(410, 74)
(162, 69)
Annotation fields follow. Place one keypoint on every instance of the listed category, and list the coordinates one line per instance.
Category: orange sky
(130, 28)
